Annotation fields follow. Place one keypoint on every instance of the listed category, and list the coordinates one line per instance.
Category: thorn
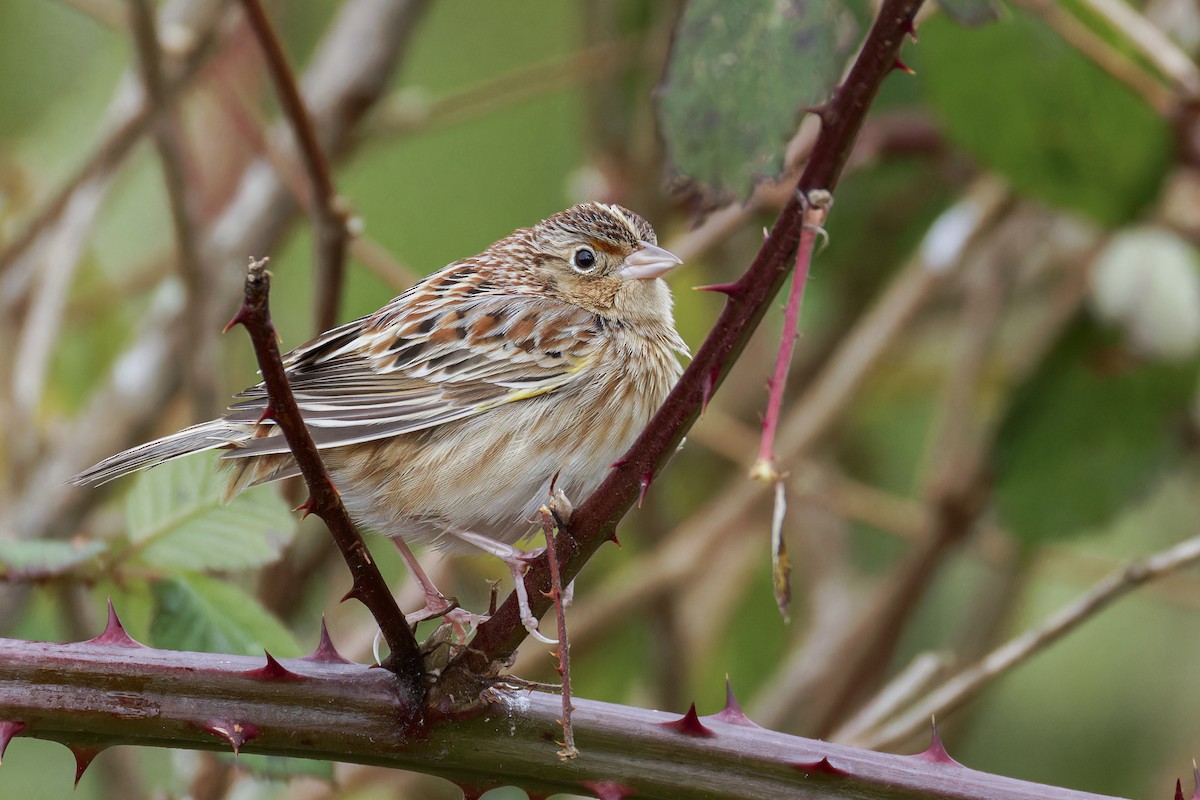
(8, 729)
(820, 110)
(326, 653)
(643, 486)
(306, 508)
(900, 65)
(1178, 790)
(236, 733)
(272, 671)
(471, 791)
(612, 537)
(114, 633)
(354, 594)
(732, 713)
(83, 758)
(936, 752)
(268, 413)
(708, 388)
(1195, 780)
(238, 319)
(822, 767)
(620, 462)
(690, 725)
(911, 29)
(608, 790)
(730, 289)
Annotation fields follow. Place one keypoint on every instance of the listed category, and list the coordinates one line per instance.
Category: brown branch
(324, 708)
(168, 140)
(323, 499)
(594, 522)
(329, 219)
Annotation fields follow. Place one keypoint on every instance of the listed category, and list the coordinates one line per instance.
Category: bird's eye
(584, 260)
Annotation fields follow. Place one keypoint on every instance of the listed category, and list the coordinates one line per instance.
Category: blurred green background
(1026, 423)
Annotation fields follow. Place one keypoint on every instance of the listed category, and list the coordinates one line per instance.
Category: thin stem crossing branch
(323, 499)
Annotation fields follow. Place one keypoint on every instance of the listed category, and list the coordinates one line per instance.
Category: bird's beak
(648, 263)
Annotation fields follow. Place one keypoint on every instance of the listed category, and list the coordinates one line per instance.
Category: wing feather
(424, 361)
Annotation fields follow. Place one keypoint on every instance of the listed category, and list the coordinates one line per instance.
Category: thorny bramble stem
(323, 499)
(594, 521)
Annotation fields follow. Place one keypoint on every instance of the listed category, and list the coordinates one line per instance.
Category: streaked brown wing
(426, 359)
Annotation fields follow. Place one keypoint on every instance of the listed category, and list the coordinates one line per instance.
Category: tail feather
(196, 439)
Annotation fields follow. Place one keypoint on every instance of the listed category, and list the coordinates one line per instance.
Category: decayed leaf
(738, 76)
(781, 565)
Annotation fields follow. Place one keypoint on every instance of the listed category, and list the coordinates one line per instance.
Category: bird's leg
(517, 561)
(436, 603)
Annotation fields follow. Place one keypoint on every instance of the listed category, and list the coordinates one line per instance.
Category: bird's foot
(517, 561)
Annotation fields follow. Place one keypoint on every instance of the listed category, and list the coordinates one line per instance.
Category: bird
(448, 416)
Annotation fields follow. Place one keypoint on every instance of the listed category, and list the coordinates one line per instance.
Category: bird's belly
(490, 473)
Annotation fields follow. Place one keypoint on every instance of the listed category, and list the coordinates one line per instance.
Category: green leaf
(176, 519)
(738, 74)
(1087, 436)
(1024, 103)
(47, 554)
(198, 612)
(971, 13)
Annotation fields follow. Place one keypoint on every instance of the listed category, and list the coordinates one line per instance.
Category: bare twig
(111, 151)
(329, 218)
(946, 519)
(898, 693)
(323, 499)
(816, 207)
(1151, 42)
(168, 140)
(347, 75)
(1105, 55)
(972, 680)
(58, 260)
(956, 494)
(550, 528)
(406, 113)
